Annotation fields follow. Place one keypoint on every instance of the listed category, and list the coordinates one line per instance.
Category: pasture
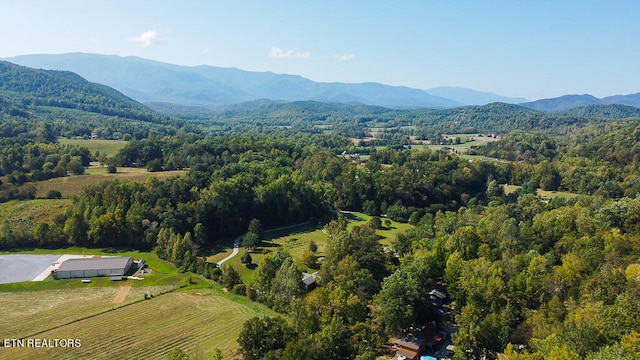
(466, 142)
(195, 320)
(72, 185)
(105, 147)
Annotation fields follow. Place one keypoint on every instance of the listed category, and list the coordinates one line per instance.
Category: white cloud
(146, 39)
(277, 53)
(346, 57)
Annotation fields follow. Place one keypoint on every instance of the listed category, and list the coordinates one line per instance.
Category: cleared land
(195, 322)
(467, 141)
(36, 211)
(108, 147)
(74, 184)
(545, 194)
(26, 314)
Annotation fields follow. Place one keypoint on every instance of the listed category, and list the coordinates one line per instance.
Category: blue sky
(533, 49)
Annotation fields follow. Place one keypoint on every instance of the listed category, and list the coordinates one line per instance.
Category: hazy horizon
(532, 50)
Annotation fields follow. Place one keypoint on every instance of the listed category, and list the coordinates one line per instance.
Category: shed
(309, 280)
(93, 267)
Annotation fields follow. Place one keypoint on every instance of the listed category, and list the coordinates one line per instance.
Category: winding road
(236, 242)
(236, 248)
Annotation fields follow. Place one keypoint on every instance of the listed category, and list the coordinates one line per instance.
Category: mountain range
(151, 81)
(160, 85)
(209, 86)
(567, 102)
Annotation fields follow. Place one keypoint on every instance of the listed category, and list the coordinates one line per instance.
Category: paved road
(236, 248)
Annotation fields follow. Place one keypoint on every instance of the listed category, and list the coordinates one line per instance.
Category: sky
(522, 48)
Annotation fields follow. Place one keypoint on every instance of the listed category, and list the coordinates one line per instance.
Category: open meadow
(34, 211)
(467, 141)
(105, 147)
(544, 194)
(72, 185)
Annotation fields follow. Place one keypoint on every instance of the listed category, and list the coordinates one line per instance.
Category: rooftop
(111, 262)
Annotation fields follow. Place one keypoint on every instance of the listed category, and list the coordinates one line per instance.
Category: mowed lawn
(196, 321)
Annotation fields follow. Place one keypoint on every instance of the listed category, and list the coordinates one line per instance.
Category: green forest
(528, 278)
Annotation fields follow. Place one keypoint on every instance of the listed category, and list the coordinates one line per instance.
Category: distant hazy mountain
(561, 103)
(152, 81)
(472, 97)
(567, 102)
(630, 100)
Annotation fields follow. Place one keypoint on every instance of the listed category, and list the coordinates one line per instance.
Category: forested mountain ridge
(357, 120)
(152, 81)
(567, 102)
(73, 106)
(63, 89)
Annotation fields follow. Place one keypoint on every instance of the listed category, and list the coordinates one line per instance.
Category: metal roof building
(93, 267)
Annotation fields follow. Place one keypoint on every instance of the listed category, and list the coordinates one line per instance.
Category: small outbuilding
(309, 280)
(94, 267)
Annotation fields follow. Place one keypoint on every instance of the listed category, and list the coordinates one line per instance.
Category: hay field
(196, 321)
(27, 313)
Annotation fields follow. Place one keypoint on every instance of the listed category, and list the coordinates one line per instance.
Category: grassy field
(74, 184)
(108, 147)
(296, 241)
(114, 320)
(547, 195)
(36, 211)
(195, 320)
(468, 140)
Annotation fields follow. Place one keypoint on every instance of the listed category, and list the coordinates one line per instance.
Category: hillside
(151, 81)
(567, 102)
(66, 90)
(357, 121)
(612, 111)
(75, 105)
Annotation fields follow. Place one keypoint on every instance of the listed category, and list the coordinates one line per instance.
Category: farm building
(92, 267)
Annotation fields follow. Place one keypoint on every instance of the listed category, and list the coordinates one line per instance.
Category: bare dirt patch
(122, 294)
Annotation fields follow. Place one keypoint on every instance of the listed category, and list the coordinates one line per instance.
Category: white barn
(93, 267)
